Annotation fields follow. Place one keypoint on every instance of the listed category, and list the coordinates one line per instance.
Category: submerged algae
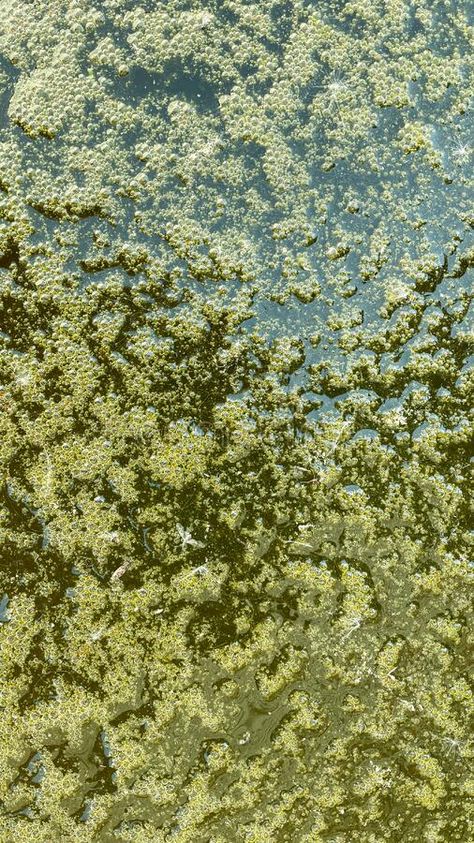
(236, 367)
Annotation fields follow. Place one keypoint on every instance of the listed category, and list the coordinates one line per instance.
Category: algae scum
(236, 382)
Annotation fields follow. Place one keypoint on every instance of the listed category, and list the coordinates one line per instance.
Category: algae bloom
(236, 430)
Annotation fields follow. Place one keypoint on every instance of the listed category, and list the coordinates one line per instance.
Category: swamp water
(236, 338)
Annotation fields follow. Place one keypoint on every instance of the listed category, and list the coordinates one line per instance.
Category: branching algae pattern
(236, 338)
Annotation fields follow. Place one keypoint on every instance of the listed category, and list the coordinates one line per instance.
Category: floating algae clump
(236, 384)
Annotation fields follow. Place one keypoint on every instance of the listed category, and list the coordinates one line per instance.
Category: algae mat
(236, 339)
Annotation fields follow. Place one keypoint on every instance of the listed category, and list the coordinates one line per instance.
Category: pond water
(236, 336)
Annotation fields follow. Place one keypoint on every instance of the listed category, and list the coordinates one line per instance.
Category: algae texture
(236, 428)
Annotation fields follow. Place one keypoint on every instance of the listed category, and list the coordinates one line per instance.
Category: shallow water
(236, 279)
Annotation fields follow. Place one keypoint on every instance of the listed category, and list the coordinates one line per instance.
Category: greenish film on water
(236, 421)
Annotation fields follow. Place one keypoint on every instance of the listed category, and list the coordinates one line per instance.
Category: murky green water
(236, 339)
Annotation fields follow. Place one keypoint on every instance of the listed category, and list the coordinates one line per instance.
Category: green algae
(236, 384)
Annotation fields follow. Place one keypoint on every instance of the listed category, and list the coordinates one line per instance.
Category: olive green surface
(236, 427)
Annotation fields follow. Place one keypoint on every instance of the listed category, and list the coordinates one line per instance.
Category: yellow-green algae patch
(236, 337)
